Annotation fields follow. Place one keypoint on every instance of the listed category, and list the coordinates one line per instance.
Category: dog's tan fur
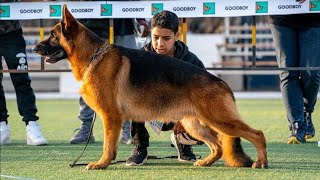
(205, 107)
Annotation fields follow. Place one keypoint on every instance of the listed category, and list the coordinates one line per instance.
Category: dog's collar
(100, 52)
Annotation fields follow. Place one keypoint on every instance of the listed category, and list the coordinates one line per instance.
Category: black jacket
(296, 20)
(182, 52)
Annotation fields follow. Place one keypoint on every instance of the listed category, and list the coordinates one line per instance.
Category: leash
(115, 162)
(85, 147)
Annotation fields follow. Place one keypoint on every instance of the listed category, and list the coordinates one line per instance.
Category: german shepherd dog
(120, 83)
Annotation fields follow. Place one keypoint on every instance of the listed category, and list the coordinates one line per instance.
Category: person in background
(164, 40)
(297, 43)
(124, 36)
(13, 50)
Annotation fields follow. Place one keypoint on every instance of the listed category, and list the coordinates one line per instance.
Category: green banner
(4, 11)
(55, 10)
(209, 8)
(262, 7)
(156, 7)
(314, 6)
(106, 9)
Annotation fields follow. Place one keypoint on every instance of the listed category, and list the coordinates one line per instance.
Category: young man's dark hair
(167, 20)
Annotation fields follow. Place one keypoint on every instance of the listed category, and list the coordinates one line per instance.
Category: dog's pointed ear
(69, 23)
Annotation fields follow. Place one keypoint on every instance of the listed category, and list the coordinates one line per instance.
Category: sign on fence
(145, 9)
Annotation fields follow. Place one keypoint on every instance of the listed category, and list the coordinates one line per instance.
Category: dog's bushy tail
(233, 153)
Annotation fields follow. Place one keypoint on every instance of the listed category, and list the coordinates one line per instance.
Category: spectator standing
(12, 49)
(297, 43)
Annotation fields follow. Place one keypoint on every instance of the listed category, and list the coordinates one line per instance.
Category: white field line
(15, 177)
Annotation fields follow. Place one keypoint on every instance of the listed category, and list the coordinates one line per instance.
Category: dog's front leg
(111, 129)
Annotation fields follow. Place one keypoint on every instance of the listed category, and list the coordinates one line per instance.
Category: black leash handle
(85, 147)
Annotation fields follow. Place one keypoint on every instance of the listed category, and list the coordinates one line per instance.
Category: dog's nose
(36, 49)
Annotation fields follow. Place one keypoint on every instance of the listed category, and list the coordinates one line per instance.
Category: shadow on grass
(289, 156)
(281, 156)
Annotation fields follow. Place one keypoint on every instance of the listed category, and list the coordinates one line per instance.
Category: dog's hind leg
(225, 119)
(256, 137)
(233, 153)
(111, 130)
(206, 135)
(216, 108)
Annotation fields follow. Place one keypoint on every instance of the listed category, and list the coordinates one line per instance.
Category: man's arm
(142, 23)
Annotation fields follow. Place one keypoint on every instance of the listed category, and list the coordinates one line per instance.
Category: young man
(164, 40)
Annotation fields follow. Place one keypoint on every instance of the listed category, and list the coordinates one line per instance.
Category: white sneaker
(34, 135)
(4, 133)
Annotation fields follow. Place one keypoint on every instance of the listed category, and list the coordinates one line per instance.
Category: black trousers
(140, 133)
(12, 48)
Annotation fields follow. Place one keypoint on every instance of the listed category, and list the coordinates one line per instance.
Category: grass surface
(58, 120)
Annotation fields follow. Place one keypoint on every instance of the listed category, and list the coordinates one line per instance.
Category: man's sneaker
(82, 136)
(310, 132)
(185, 153)
(138, 157)
(4, 133)
(34, 135)
(298, 132)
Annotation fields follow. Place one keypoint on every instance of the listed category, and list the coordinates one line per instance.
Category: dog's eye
(52, 34)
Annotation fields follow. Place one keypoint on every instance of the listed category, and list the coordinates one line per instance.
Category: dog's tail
(233, 153)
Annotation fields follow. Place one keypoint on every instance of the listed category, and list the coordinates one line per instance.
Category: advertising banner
(146, 9)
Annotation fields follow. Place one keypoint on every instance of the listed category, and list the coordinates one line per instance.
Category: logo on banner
(184, 8)
(106, 9)
(209, 8)
(132, 9)
(4, 11)
(262, 7)
(156, 7)
(299, 6)
(236, 8)
(314, 6)
(55, 10)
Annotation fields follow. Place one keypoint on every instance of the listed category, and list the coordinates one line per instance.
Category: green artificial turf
(58, 120)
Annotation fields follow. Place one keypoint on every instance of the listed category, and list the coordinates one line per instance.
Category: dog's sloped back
(149, 67)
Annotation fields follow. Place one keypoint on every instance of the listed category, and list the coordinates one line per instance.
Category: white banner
(146, 9)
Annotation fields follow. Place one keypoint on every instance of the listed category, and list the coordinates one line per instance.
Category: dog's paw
(201, 163)
(95, 166)
(260, 165)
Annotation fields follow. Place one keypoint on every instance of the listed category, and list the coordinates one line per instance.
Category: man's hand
(144, 27)
(301, 1)
(178, 128)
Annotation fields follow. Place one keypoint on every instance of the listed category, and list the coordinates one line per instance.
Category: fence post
(253, 41)
(41, 32)
(184, 30)
(111, 31)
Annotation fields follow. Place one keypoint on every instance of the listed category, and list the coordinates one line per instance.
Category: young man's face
(163, 40)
